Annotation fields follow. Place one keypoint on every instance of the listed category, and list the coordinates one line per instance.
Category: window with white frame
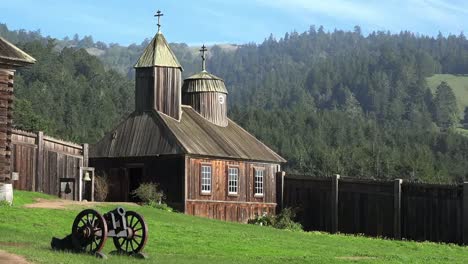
(206, 178)
(259, 173)
(233, 180)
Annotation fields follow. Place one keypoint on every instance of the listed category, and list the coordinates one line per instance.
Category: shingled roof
(12, 55)
(158, 53)
(153, 133)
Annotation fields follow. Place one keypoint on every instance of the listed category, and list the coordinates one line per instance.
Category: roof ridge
(161, 119)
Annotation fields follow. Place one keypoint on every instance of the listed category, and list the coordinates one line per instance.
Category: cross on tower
(159, 14)
(203, 50)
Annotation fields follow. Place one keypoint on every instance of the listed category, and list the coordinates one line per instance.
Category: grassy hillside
(459, 84)
(178, 238)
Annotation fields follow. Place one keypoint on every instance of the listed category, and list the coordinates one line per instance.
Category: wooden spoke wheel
(137, 234)
(89, 231)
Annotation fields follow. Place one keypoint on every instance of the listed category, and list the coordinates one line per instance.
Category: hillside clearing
(178, 238)
(459, 84)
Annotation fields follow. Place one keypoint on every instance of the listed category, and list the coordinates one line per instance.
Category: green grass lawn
(459, 84)
(178, 238)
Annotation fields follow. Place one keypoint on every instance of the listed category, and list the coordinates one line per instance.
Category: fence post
(280, 189)
(397, 208)
(85, 155)
(39, 161)
(334, 204)
(465, 213)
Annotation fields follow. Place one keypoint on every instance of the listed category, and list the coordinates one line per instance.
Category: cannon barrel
(118, 211)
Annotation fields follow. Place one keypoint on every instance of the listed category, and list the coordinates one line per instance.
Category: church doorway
(135, 176)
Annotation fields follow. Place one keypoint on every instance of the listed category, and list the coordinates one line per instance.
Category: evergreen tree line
(329, 102)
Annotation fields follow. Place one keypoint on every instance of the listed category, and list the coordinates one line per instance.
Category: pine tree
(465, 119)
(445, 104)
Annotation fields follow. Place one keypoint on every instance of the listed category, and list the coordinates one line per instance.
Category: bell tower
(158, 78)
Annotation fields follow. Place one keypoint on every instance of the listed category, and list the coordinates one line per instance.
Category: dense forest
(329, 102)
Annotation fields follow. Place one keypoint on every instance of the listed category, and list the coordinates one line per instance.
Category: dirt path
(63, 204)
(6, 257)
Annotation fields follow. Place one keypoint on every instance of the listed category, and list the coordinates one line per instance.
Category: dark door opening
(135, 175)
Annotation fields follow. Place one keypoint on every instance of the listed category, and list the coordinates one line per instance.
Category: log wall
(6, 103)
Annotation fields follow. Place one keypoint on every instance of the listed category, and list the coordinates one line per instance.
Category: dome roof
(204, 82)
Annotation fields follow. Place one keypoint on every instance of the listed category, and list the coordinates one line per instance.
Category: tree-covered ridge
(329, 102)
(69, 94)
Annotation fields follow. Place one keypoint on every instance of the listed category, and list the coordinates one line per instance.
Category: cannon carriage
(127, 229)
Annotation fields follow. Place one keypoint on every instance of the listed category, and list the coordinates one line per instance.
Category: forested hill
(329, 102)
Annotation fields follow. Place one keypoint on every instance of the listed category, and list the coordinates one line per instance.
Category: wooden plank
(85, 148)
(465, 214)
(397, 209)
(334, 204)
(39, 161)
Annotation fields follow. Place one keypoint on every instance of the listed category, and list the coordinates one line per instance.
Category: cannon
(90, 231)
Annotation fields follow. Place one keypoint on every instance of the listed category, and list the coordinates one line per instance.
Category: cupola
(207, 94)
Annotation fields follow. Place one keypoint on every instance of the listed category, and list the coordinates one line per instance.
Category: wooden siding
(159, 88)
(144, 89)
(41, 161)
(240, 207)
(234, 212)
(6, 103)
(208, 105)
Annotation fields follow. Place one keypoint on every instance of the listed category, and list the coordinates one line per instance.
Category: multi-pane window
(259, 173)
(233, 180)
(205, 178)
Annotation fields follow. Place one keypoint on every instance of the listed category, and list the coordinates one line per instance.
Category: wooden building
(206, 164)
(11, 58)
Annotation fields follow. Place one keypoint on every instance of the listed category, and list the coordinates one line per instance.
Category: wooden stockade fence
(45, 164)
(392, 209)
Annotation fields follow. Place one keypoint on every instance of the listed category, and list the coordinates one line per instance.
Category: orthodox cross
(159, 14)
(203, 50)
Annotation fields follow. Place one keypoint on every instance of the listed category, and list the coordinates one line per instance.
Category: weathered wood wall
(219, 204)
(210, 105)
(41, 161)
(6, 102)
(380, 208)
(432, 212)
(159, 88)
(126, 174)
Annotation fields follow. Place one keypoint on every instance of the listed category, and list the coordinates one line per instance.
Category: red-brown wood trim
(229, 202)
(186, 167)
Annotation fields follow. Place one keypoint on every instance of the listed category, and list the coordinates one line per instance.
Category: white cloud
(393, 14)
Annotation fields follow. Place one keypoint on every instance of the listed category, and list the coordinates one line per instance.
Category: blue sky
(235, 21)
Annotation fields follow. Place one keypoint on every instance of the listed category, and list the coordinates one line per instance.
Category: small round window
(221, 99)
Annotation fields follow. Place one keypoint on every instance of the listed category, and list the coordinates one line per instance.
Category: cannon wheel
(89, 231)
(137, 234)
